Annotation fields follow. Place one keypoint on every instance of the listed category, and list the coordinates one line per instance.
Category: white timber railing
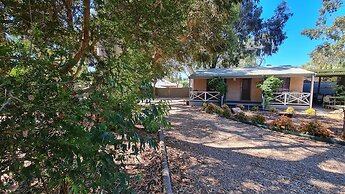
(291, 98)
(204, 96)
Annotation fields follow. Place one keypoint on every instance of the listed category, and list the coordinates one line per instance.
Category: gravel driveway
(209, 154)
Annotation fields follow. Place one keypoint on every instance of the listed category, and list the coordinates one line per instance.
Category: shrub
(225, 106)
(240, 106)
(219, 110)
(241, 116)
(268, 87)
(311, 111)
(283, 122)
(258, 119)
(290, 110)
(211, 108)
(315, 128)
(254, 108)
(273, 110)
(204, 104)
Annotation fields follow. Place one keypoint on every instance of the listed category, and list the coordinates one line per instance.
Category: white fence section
(291, 98)
(204, 96)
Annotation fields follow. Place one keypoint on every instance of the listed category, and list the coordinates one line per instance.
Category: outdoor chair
(326, 102)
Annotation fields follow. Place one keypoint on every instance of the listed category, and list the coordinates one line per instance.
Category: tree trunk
(85, 41)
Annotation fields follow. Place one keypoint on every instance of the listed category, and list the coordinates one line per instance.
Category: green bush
(225, 106)
(258, 119)
(283, 123)
(268, 87)
(218, 84)
(240, 106)
(211, 108)
(241, 116)
(290, 110)
(315, 128)
(226, 111)
(204, 105)
(255, 108)
(311, 111)
(273, 110)
(219, 110)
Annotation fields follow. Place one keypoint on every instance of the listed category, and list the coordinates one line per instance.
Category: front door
(246, 85)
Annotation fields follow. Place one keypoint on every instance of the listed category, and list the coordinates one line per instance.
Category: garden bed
(316, 127)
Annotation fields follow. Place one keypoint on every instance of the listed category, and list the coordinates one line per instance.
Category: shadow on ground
(222, 156)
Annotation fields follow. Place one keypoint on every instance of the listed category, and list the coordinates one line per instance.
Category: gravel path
(209, 154)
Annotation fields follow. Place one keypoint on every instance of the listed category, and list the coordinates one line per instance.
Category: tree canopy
(69, 116)
(330, 54)
(226, 37)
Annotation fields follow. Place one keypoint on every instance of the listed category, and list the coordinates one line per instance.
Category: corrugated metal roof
(249, 72)
(329, 72)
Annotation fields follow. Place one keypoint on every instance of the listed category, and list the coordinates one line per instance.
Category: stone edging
(316, 138)
(167, 188)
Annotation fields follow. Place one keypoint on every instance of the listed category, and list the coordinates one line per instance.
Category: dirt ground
(210, 154)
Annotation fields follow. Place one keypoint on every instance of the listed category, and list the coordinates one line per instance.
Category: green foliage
(219, 110)
(241, 116)
(204, 104)
(211, 108)
(311, 111)
(268, 87)
(315, 128)
(185, 83)
(69, 116)
(219, 85)
(258, 119)
(255, 108)
(273, 110)
(290, 110)
(226, 111)
(283, 123)
(240, 106)
(330, 54)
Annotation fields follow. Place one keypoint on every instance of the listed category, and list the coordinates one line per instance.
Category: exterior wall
(296, 84)
(256, 94)
(200, 84)
(234, 89)
(172, 92)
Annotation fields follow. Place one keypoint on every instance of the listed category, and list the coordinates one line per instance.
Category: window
(285, 87)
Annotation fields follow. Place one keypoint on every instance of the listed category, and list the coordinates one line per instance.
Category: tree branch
(85, 41)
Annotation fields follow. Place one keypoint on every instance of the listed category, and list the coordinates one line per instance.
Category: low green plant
(219, 110)
(258, 119)
(241, 116)
(315, 128)
(240, 106)
(204, 105)
(273, 110)
(311, 111)
(226, 111)
(255, 108)
(283, 123)
(290, 110)
(211, 108)
(225, 106)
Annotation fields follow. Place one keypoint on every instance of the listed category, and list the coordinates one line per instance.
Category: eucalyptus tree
(225, 36)
(330, 54)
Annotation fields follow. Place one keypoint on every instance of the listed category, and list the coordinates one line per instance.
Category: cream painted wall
(296, 84)
(199, 84)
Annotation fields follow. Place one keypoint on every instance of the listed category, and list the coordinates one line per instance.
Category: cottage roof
(250, 72)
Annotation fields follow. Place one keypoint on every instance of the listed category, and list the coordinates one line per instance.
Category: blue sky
(295, 49)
